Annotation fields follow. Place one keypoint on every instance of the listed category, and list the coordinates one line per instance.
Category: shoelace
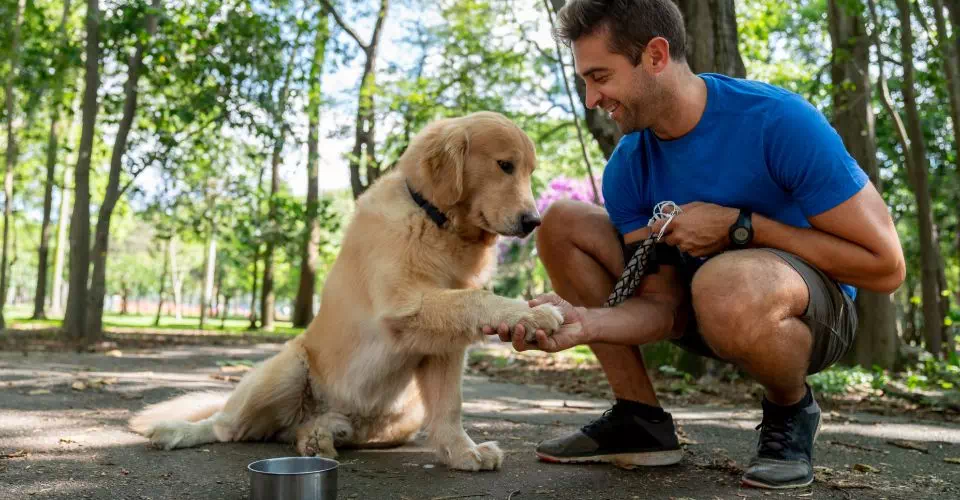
(774, 435)
(606, 421)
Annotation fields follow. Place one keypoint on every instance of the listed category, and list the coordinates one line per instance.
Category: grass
(19, 316)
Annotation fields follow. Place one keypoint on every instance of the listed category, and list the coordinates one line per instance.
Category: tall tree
(98, 284)
(268, 299)
(53, 144)
(11, 154)
(364, 146)
(75, 320)
(712, 44)
(877, 336)
(56, 301)
(303, 305)
(910, 136)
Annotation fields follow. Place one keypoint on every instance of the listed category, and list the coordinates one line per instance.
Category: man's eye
(506, 166)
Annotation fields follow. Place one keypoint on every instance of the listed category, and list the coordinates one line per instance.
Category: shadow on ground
(59, 439)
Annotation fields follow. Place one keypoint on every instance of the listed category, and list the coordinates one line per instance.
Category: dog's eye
(506, 166)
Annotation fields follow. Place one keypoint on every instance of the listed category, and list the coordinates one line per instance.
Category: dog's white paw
(166, 435)
(546, 317)
(484, 456)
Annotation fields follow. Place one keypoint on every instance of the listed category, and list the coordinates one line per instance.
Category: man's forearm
(840, 259)
(637, 321)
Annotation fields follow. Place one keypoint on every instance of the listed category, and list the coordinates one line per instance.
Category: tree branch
(343, 24)
(573, 108)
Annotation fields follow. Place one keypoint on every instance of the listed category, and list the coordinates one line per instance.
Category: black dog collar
(435, 214)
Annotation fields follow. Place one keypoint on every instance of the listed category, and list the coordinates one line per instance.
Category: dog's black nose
(529, 222)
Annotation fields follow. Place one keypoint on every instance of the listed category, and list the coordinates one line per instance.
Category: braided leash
(639, 264)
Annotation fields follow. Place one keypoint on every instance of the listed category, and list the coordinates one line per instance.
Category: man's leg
(579, 248)
(773, 314)
(582, 254)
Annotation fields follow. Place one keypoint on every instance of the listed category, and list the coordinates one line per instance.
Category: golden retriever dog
(384, 356)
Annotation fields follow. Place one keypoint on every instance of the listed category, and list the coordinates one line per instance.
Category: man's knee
(561, 225)
(739, 299)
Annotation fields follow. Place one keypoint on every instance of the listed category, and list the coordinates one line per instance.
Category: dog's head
(479, 167)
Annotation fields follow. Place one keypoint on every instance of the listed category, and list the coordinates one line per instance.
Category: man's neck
(686, 104)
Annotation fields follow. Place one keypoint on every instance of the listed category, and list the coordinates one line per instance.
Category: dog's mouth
(513, 230)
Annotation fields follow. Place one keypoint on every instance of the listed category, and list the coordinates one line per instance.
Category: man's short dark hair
(631, 24)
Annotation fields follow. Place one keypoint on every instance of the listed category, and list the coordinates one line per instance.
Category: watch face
(740, 234)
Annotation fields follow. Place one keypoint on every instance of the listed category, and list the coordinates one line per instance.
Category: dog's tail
(191, 407)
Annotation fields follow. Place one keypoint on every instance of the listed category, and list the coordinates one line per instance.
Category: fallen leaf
(66, 441)
(15, 454)
(110, 380)
(114, 353)
(78, 386)
(37, 392)
(865, 468)
(952, 460)
(849, 485)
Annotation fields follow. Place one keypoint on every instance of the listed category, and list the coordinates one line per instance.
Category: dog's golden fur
(384, 356)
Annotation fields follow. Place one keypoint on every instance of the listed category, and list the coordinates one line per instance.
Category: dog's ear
(445, 153)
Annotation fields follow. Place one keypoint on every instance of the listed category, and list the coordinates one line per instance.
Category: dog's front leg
(439, 378)
(439, 321)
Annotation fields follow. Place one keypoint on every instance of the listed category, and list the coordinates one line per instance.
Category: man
(778, 230)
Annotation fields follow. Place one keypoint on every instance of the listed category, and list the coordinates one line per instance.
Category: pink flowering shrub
(559, 188)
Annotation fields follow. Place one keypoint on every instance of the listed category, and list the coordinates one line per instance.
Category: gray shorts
(831, 315)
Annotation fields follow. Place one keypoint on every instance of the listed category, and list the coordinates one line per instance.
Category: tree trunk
(11, 155)
(40, 297)
(56, 302)
(916, 151)
(364, 154)
(226, 309)
(163, 280)
(253, 289)
(303, 305)
(209, 263)
(98, 285)
(712, 37)
(175, 282)
(74, 323)
(268, 300)
(877, 335)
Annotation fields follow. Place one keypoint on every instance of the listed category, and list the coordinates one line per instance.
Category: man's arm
(854, 242)
(647, 317)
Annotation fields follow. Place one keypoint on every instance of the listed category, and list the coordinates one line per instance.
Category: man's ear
(658, 53)
(445, 152)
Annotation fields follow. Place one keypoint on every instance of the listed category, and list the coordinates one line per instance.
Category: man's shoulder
(746, 96)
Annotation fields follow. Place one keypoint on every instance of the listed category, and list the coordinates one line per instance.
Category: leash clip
(664, 210)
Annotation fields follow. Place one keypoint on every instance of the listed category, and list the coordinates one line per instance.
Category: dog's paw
(484, 456)
(316, 443)
(546, 317)
(167, 435)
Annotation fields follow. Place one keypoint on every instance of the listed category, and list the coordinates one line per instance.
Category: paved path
(77, 445)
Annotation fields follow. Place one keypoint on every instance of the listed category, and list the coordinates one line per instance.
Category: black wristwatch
(741, 232)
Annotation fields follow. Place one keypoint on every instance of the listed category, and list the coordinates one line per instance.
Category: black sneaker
(784, 456)
(620, 437)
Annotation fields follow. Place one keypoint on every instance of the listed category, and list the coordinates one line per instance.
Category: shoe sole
(648, 459)
(756, 484)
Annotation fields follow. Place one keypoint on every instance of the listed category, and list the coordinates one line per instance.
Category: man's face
(629, 93)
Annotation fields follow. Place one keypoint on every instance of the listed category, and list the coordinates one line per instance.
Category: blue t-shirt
(756, 146)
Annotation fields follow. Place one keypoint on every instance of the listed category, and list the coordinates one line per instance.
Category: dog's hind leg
(268, 400)
(439, 378)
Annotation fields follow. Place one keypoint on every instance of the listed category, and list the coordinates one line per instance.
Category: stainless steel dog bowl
(293, 478)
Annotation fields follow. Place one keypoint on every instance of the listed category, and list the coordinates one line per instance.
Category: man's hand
(570, 334)
(701, 229)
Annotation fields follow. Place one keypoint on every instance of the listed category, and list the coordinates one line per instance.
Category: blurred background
(191, 164)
